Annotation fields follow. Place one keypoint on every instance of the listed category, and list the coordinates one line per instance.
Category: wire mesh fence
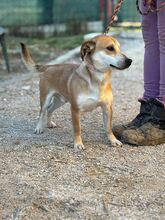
(19, 13)
(33, 12)
(128, 12)
(70, 15)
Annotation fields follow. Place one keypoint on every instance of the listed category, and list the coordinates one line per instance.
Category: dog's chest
(89, 100)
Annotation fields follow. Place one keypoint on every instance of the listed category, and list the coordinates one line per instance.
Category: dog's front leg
(107, 118)
(77, 129)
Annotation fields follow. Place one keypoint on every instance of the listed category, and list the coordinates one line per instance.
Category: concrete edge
(63, 58)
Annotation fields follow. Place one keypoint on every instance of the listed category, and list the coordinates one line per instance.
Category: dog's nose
(128, 61)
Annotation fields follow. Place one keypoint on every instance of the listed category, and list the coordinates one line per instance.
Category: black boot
(141, 118)
(152, 131)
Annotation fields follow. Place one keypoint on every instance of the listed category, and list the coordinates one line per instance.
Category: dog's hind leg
(56, 102)
(45, 103)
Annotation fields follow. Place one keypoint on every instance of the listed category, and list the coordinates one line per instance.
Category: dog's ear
(87, 47)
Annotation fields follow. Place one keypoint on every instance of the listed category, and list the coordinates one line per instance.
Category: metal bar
(105, 14)
(4, 51)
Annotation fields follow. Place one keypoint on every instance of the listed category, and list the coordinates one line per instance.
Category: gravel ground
(43, 177)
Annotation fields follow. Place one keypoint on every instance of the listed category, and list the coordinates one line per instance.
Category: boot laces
(139, 119)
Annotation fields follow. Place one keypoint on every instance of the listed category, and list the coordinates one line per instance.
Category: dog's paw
(116, 143)
(79, 146)
(38, 130)
(51, 125)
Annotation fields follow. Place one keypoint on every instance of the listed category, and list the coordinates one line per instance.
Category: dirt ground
(43, 177)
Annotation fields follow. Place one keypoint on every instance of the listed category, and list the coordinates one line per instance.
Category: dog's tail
(29, 62)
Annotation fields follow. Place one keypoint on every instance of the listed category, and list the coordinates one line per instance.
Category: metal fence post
(105, 14)
(47, 11)
(4, 51)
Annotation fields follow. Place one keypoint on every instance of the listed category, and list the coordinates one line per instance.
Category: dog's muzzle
(123, 63)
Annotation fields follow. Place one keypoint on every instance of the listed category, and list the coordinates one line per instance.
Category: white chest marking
(88, 101)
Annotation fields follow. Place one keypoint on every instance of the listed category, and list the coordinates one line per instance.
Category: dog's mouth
(116, 67)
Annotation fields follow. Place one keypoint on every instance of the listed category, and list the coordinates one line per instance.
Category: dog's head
(104, 52)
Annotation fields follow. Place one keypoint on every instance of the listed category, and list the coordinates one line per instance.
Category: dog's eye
(110, 48)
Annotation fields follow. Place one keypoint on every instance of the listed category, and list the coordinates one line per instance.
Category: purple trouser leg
(153, 29)
(161, 34)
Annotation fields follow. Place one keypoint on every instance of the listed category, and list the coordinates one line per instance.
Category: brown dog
(86, 86)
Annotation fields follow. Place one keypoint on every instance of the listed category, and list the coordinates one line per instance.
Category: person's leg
(152, 132)
(151, 56)
(151, 70)
(161, 35)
